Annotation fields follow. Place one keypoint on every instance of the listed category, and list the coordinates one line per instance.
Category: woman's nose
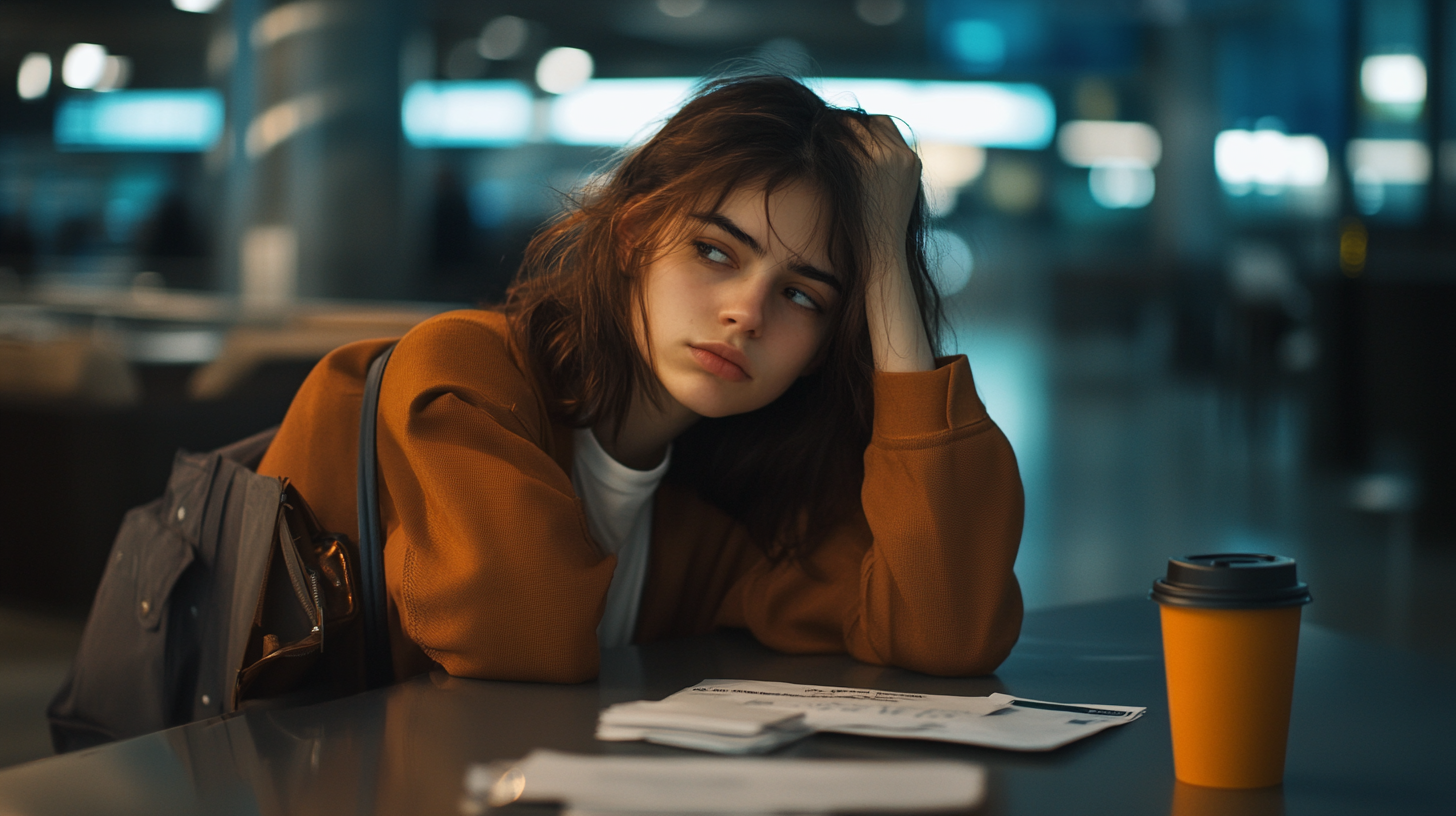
(743, 304)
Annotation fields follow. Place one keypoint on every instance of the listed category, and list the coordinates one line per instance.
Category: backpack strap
(378, 666)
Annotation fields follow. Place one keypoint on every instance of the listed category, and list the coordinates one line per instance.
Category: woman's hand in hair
(891, 175)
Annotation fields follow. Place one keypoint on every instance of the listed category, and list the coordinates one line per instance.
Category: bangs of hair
(785, 471)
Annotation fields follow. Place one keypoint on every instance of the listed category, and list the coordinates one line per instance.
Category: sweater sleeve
(490, 564)
(923, 578)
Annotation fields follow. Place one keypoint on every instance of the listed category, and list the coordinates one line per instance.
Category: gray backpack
(225, 590)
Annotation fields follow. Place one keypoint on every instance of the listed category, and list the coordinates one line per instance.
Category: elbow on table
(968, 648)
(973, 660)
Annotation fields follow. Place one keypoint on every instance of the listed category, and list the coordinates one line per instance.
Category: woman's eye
(799, 297)
(711, 253)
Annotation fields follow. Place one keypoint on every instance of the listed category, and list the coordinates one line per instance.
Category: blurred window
(160, 121)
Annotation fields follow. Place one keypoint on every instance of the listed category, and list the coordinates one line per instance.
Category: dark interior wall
(1408, 365)
(70, 472)
(1385, 395)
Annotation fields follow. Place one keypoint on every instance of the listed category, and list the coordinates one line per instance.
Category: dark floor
(1125, 464)
(35, 652)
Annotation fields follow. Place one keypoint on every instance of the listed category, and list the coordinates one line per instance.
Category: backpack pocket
(125, 679)
(304, 628)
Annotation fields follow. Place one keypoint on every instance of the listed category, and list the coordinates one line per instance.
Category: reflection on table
(1370, 733)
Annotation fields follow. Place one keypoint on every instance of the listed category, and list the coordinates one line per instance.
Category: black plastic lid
(1231, 581)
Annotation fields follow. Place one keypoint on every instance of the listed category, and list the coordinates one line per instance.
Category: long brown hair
(789, 470)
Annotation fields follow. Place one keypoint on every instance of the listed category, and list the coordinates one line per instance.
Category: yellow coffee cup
(1230, 639)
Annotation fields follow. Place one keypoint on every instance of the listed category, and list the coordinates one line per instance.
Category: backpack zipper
(318, 606)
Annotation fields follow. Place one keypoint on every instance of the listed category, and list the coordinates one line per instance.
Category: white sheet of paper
(703, 724)
(760, 743)
(1039, 725)
(736, 785)
(997, 721)
(832, 708)
(711, 715)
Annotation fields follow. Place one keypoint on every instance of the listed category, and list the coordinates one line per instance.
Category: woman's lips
(722, 360)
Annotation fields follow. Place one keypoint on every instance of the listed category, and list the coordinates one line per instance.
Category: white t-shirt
(618, 502)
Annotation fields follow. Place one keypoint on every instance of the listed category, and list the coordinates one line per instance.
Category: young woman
(710, 400)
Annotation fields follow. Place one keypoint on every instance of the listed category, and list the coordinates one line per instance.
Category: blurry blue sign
(178, 121)
(490, 113)
(613, 112)
(986, 114)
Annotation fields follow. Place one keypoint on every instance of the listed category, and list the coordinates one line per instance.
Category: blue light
(492, 113)
(614, 112)
(980, 44)
(985, 114)
(173, 121)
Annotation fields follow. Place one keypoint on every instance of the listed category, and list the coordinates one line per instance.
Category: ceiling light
(1394, 79)
(616, 111)
(1389, 161)
(34, 79)
(1269, 158)
(83, 65)
(942, 116)
(1090, 143)
(563, 69)
(988, 114)
(150, 121)
(467, 114)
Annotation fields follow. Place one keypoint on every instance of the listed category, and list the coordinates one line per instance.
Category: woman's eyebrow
(726, 224)
(815, 273)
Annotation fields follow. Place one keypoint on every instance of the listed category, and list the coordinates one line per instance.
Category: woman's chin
(713, 397)
(708, 403)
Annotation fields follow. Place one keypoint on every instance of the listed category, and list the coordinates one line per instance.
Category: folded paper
(753, 716)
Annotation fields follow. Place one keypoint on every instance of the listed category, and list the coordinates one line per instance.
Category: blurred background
(1198, 252)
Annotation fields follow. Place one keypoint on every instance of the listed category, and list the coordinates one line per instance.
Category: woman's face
(741, 308)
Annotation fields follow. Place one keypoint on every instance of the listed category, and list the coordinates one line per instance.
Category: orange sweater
(492, 573)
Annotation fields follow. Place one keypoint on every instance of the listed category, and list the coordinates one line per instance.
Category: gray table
(1372, 733)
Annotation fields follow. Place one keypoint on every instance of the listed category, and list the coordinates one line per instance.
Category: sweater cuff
(924, 403)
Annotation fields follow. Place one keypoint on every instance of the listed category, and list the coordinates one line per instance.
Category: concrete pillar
(317, 198)
(1188, 222)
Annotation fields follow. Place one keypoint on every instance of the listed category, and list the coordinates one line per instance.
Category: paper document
(703, 785)
(717, 716)
(997, 721)
(721, 726)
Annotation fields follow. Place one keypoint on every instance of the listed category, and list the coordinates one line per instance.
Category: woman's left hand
(891, 176)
